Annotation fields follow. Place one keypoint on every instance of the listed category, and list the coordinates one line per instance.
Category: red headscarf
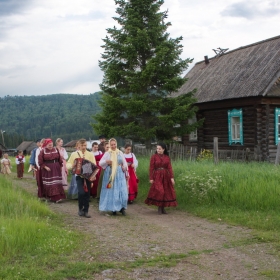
(46, 142)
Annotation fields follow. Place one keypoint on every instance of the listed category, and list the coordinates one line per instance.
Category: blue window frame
(235, 126)
(277, 125)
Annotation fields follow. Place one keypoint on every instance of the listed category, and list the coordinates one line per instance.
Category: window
(235, 126)
(277, 125)
(193, 134)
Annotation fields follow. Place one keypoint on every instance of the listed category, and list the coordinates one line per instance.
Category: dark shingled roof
(27, 146)
(70, 144)
(252, 70)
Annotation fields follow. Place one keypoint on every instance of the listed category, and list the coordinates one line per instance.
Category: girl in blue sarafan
(114, 191)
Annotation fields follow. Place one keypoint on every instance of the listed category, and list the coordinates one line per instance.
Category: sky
(53, 46)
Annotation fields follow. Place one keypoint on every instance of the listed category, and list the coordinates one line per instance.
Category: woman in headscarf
(162, 193)
(64, 156)
(50, 163)
(114, 191)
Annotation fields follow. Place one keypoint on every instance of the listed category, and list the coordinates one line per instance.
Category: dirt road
(194, 247)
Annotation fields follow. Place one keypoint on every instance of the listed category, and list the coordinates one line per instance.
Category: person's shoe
(130, 202)
(58, 201)
(159, 210)
(123, 212)
(163, 211)
(114, 213)
(81, 213)
(87, 215)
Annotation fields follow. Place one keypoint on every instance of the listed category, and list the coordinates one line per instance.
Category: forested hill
(66, 116)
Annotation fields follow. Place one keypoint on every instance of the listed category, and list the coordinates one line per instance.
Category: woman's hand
(151, 181)
(172, 181)
(132, 165)
(109, 162)
(47, 168)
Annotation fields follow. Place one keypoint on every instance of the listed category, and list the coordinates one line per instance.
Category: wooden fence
(181, 152)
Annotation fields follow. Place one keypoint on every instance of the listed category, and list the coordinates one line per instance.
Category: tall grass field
(238, 193)
(31, 237)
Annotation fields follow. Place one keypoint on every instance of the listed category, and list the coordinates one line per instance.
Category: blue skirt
(73, 189)
(115, 198)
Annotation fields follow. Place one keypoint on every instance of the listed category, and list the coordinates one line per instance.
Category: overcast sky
(53, 46)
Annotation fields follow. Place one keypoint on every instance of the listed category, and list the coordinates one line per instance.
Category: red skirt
(20, 169)
(52, 182)
(94, 186)
(162, 192)
(132, 184)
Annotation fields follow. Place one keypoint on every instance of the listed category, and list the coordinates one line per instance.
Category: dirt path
(214, 250)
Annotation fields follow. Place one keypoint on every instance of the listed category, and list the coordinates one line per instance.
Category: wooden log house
(238, 96)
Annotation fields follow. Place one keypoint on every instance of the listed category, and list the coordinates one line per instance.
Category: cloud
(10, 7)
(252, 9)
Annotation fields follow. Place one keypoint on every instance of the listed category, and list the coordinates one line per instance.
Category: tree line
(68, 116)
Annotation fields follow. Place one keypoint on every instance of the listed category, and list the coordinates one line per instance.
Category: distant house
(70, 146)
(238, 96)
(27, 147)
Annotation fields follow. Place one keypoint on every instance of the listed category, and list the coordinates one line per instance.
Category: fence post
(277, 154)
(247, 153)
(216, 150)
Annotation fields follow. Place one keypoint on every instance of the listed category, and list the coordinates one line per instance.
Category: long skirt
(100, 182)
(41, 191)
(73, 189)
(52, 182)
(114, 198)
(20, 169)
(64, 173)
(94, 186)
(5, 169)
(132, 184)
(162, 192)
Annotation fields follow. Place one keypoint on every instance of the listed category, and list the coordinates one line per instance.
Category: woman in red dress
(98, 155)
(162, 193)
(50, 163)
(132, 163)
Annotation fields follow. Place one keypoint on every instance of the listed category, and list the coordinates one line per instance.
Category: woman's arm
(135, 161)
(65, 155)
(124, 164)
(103, 162)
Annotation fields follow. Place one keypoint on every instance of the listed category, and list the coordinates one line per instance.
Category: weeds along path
(173, 246)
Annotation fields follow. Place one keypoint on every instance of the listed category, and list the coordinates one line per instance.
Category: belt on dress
(51, 161)
(161, 168)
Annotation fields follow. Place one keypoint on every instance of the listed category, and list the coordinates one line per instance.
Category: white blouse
(135, 161)
(18, 162)
(37, 155)
(107, 156)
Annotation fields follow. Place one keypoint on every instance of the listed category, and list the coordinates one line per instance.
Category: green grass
(236, 193)
(31, 236)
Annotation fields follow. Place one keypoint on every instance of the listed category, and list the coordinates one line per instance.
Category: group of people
(115, 184)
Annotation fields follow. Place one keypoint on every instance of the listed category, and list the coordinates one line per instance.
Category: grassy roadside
(34, 244)
(32, 239)
(235, 193)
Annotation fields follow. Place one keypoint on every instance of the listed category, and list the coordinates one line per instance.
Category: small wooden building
(27, 147)
(238, 96)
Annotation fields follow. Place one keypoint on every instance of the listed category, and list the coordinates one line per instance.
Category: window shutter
(276, 125)
(235, 128)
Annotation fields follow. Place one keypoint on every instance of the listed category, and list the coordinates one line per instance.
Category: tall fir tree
(142, 67)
